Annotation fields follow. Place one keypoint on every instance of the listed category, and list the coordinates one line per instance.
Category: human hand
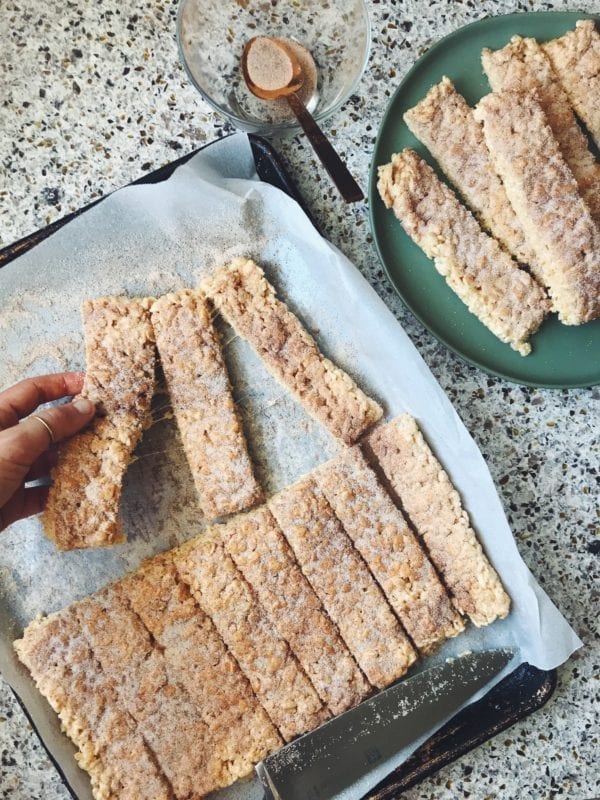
(25, 447)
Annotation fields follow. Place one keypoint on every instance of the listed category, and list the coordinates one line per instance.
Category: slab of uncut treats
(83, 503)
(110, 747)
(166, 716)
(277, 679)
(343, 582)
(523, 66)
(381, 535)
(506, 299)
(435, 509)
(544, 194)
(200, 392)
(265, 559)
(445, 124)
(240, 734)
(247, 301)
(576, 60)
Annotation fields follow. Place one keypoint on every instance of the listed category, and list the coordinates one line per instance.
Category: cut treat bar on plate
(523, 66)
(265, 658)
(239, 730)
(392, 553)
(343, 582)
(83, 504)
(576, 60)
(504, 297)
(208, 420)
(247, 301)
(434, 507)
(544, 193)
(265, 559)
(110, 746)
(445, 124)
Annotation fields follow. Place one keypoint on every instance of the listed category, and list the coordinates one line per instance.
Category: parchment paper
(148, 240)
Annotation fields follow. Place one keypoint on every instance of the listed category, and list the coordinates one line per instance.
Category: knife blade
(323, 763)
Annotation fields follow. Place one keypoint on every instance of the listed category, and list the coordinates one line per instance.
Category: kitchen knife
(323, 763)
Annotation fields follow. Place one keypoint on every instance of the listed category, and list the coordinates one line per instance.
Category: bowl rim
(273, 128)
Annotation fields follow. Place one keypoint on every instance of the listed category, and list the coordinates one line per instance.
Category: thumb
(24, 443)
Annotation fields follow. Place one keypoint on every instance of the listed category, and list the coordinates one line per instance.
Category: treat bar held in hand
(175, 680)
(504, 297)
(120, 333)
(83, 504)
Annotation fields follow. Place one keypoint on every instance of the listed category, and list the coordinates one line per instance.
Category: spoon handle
(338, 171)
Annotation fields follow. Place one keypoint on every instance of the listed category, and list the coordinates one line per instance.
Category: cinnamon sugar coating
(83, 503)
(544, 193)
(435, 509)
(110, 747)
(239, 732)
(264, 657)
(523, 66)
(343, 582)
(505, 298)
(381, 535)
(262, 554)
(247, 301)
(207, 417)
(576, 60)
(445, 124)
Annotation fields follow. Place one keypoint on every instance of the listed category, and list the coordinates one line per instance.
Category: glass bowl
(211, 35)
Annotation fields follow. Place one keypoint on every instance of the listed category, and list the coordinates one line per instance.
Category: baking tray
(515, 697)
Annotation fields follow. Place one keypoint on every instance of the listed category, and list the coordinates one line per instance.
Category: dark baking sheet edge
(515, 697)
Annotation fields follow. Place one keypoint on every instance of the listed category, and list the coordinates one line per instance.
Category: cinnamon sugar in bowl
(331, 39)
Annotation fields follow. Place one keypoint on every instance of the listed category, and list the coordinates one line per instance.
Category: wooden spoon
(286, 64)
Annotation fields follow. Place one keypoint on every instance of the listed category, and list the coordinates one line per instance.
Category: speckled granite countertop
(92, 95)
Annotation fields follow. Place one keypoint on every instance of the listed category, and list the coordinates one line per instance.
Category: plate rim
(373, 198)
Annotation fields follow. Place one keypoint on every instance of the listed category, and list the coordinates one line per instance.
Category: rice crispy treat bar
(544, 194)
(200, 392)
(247, 301)
(576, 60)
(166, 717)
(281, 686)
(522, 66)
(435, 509)
(445, 124)
(67, 673)
(506, 299)
(240, 734)
(83, 503)
(343, 582)
(265, 559)
(390, 549)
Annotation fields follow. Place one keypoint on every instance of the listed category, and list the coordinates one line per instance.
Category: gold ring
(43, 422)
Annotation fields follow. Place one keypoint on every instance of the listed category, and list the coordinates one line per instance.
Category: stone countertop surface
(92, 96)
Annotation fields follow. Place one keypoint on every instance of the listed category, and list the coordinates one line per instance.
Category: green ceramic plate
(562, 356)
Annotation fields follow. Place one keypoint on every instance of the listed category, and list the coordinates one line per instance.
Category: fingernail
(84, 406)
